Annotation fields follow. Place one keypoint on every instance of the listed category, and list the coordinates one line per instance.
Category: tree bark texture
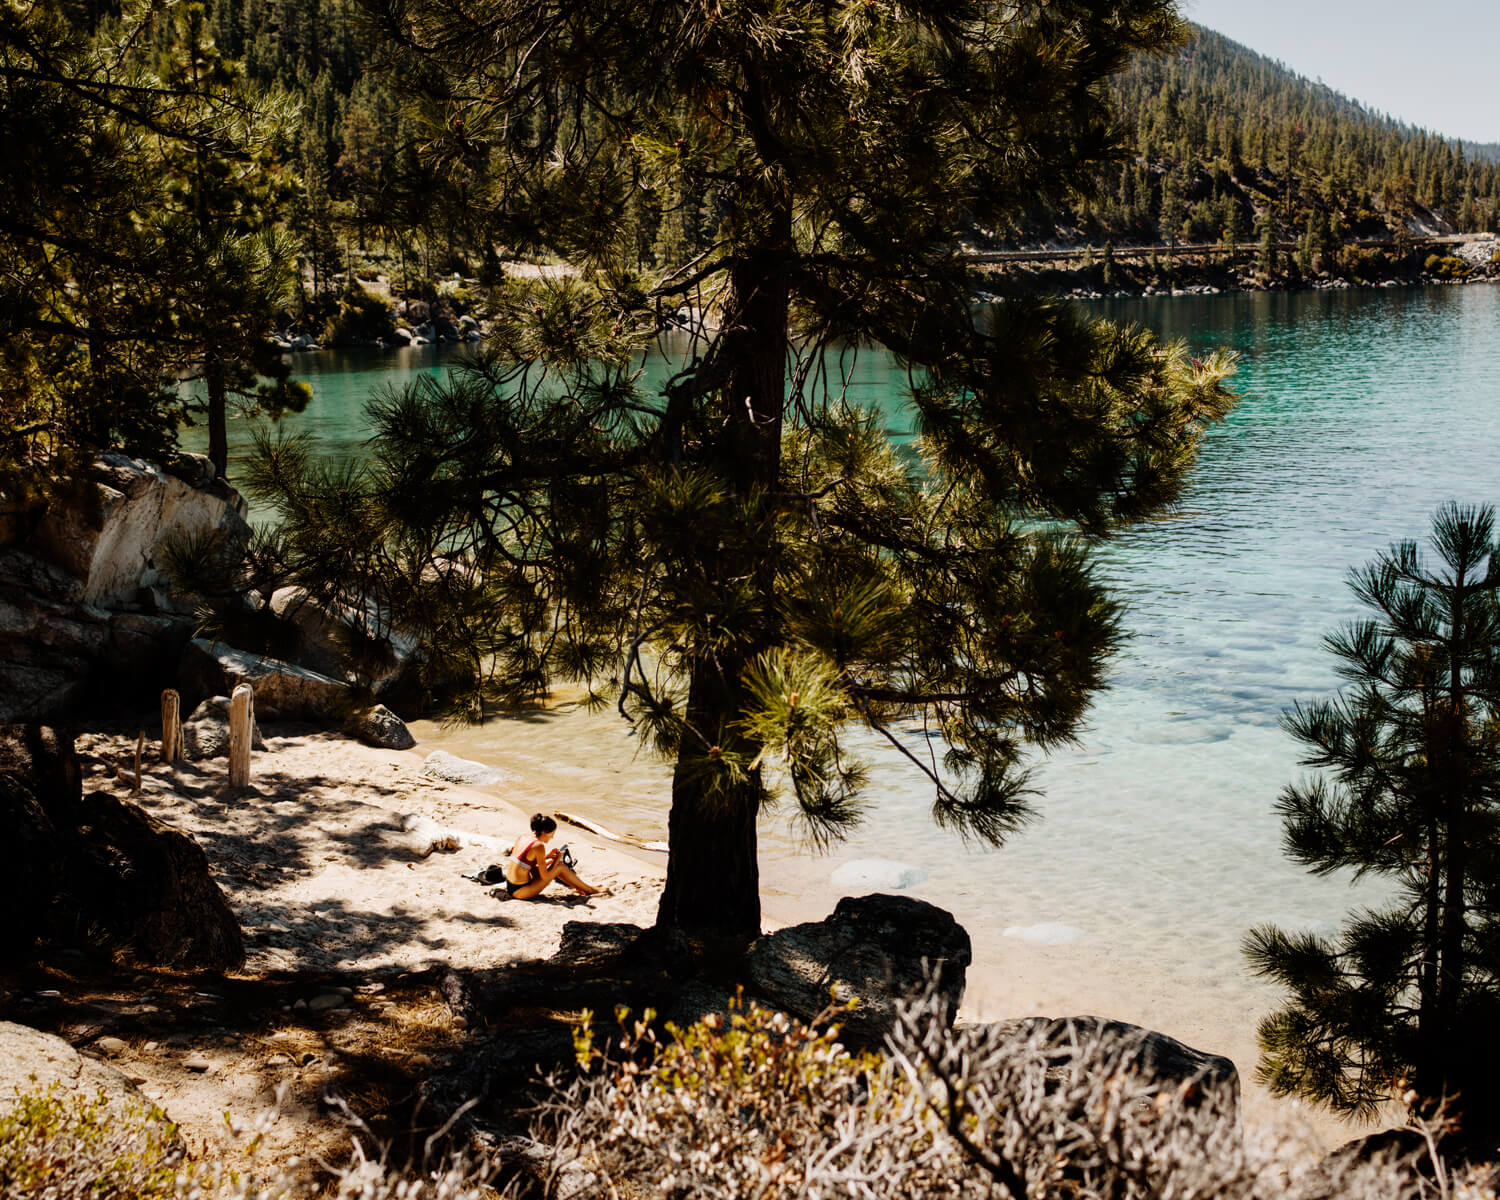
(712, 891)
(218, 416)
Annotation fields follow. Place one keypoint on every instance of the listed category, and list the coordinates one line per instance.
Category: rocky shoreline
(1471, 263)
(1082, 284)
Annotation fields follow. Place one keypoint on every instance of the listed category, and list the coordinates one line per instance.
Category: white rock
(198, 1063)
(881, 874)
(141, 508)
(322, 1003)
(110, 1046)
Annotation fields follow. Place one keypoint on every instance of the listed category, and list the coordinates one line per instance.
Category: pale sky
(1431, 64)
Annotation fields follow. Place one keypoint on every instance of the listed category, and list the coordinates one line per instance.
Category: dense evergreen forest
(1226, 140)
(1227, 144)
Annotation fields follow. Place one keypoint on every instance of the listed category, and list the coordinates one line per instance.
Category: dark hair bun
(542, 823)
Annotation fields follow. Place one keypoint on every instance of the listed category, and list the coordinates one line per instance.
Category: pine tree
(224, 187)
(1266, 259)
(1405, 1001)
(136, 236)
(738, 559)
(319, 239)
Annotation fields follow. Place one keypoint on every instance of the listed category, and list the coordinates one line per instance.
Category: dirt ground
(336, 1017)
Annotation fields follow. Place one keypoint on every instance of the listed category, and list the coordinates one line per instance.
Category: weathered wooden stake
(140, 749)
(241, 721)
(171, 726)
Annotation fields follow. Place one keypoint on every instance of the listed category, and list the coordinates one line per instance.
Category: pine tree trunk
(218, 432)
(1428, 1033)
(712, 891)
(1451, 966)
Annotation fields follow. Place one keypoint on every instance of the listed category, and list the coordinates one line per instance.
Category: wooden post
(140, 749)
(241, 722)
(171, 726)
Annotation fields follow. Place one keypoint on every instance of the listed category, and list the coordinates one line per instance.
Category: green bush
(1446, 267)
(1366, 264)
(362, 317)
(59, 1146)
(66, 1147)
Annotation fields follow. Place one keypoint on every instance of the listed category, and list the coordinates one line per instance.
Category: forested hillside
(1221, 143)
(1225, 143)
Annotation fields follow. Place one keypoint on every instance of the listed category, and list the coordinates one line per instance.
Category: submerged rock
(882, 873)
(452, 769)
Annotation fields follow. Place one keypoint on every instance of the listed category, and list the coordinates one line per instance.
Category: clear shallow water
(1158, 845)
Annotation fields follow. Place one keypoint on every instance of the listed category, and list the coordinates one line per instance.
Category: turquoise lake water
(1158, 844)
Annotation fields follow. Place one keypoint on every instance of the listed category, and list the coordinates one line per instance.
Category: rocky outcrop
(282, 690)
(148, 891)
(96, 870)
(83, 595)
(874, 950)
(33, 1062)
(287, 691)
(329, 634)
(114, 544)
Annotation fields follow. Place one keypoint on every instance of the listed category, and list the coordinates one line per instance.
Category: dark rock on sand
(97, 870)
(875, 950)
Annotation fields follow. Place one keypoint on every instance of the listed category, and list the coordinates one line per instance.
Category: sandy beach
(349, 922)
(348, 925)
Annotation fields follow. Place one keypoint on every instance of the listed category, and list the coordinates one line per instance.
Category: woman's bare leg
(569, 877)
(556, 869)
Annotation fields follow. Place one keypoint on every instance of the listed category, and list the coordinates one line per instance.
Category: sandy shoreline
(327, 884)
(561, 758)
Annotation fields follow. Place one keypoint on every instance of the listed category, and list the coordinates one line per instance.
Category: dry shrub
(66, 1147)
(59, 1146)
(758, 1106)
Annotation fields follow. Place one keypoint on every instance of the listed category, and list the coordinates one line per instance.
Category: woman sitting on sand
(531, 866)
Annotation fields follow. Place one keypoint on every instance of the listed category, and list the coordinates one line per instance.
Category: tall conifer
(1406, 1000)
(733, 553)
